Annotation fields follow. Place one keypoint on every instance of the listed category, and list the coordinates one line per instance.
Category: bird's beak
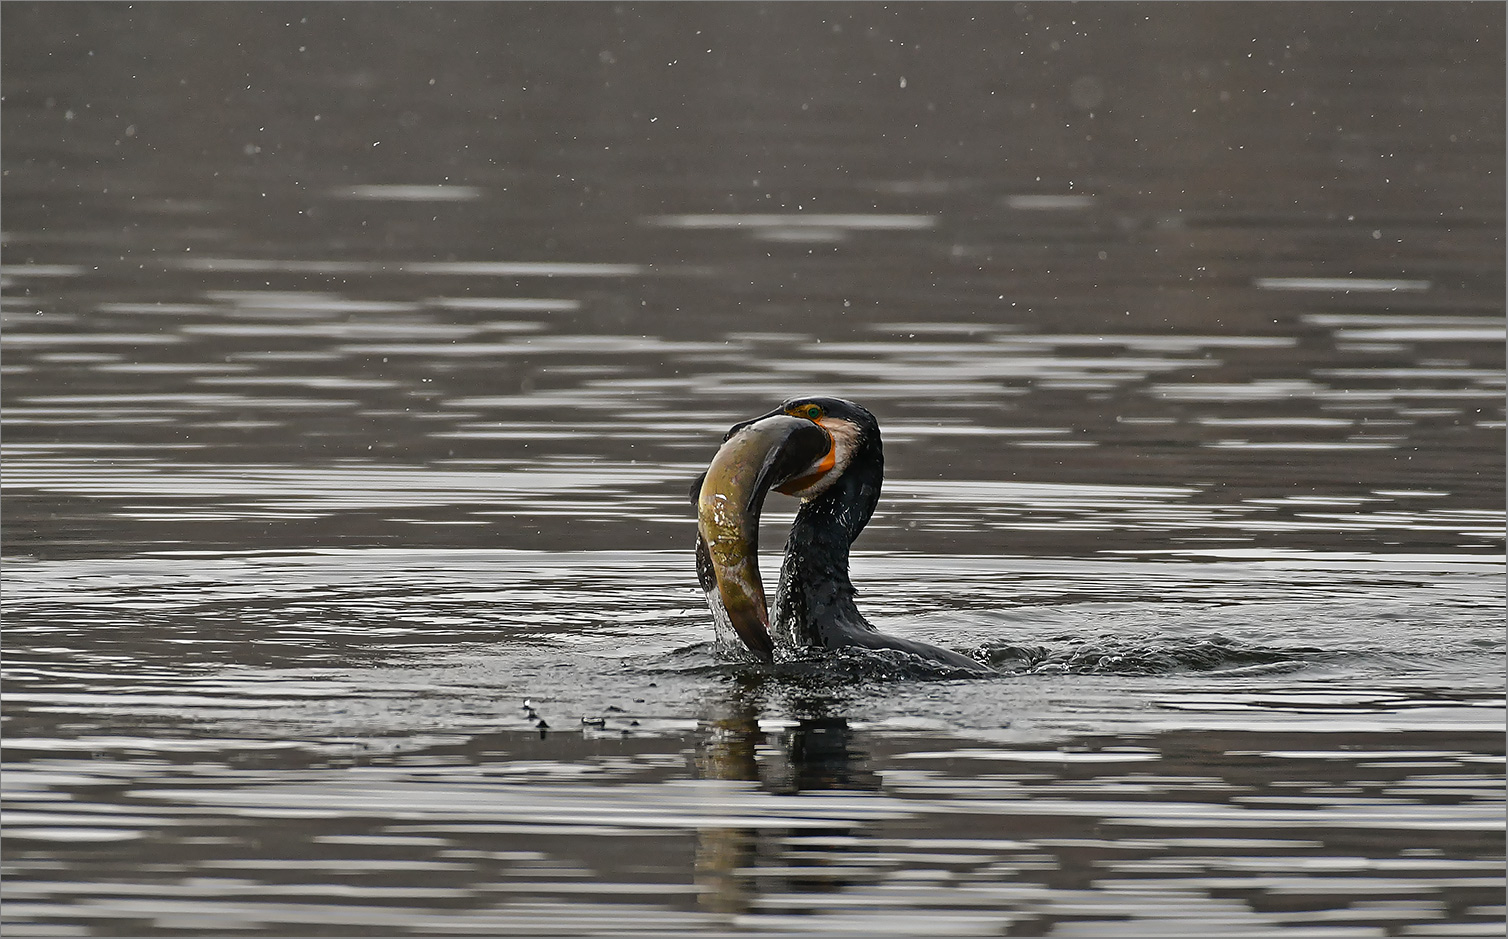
(758, 456)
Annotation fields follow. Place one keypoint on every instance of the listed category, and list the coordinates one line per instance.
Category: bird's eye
(813, 412)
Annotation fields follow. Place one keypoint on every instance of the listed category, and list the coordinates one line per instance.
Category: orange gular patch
(841, 436)
(800, 484)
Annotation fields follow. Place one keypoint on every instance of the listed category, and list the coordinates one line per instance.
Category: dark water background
(357, 359)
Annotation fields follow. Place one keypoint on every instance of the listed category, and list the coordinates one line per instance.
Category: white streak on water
(850, 222)
(1049, 202)
(409, 193)
(460, 268)
(1427, 334)
(1339, 283)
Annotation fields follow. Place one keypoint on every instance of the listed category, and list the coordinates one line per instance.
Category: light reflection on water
(416, 785)
(406, 788)
(348, 431)
(649, 498)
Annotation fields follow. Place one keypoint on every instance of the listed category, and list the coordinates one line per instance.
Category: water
(357, 360)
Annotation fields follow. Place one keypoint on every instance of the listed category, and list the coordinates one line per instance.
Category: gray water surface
(358, 358)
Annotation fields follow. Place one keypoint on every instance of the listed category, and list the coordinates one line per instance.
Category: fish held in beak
(756, 457)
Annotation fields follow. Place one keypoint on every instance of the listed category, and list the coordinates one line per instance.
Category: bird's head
(848, 429)
(801, 448)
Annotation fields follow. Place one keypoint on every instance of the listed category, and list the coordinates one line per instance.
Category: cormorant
(825, 451)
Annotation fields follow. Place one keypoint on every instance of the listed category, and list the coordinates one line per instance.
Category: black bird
(827, 452)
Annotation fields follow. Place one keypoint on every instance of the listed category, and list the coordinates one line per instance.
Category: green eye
(813, 412)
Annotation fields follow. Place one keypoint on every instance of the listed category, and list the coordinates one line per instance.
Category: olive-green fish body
(756, 458)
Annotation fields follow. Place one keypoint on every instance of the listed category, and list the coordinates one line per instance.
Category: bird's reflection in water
(735, 865)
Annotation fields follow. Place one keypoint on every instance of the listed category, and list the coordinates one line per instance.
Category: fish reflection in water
(819, 752)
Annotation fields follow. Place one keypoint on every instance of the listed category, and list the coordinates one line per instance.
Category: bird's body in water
(827, 452)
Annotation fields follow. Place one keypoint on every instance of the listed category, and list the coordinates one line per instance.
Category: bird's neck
(815, 601)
